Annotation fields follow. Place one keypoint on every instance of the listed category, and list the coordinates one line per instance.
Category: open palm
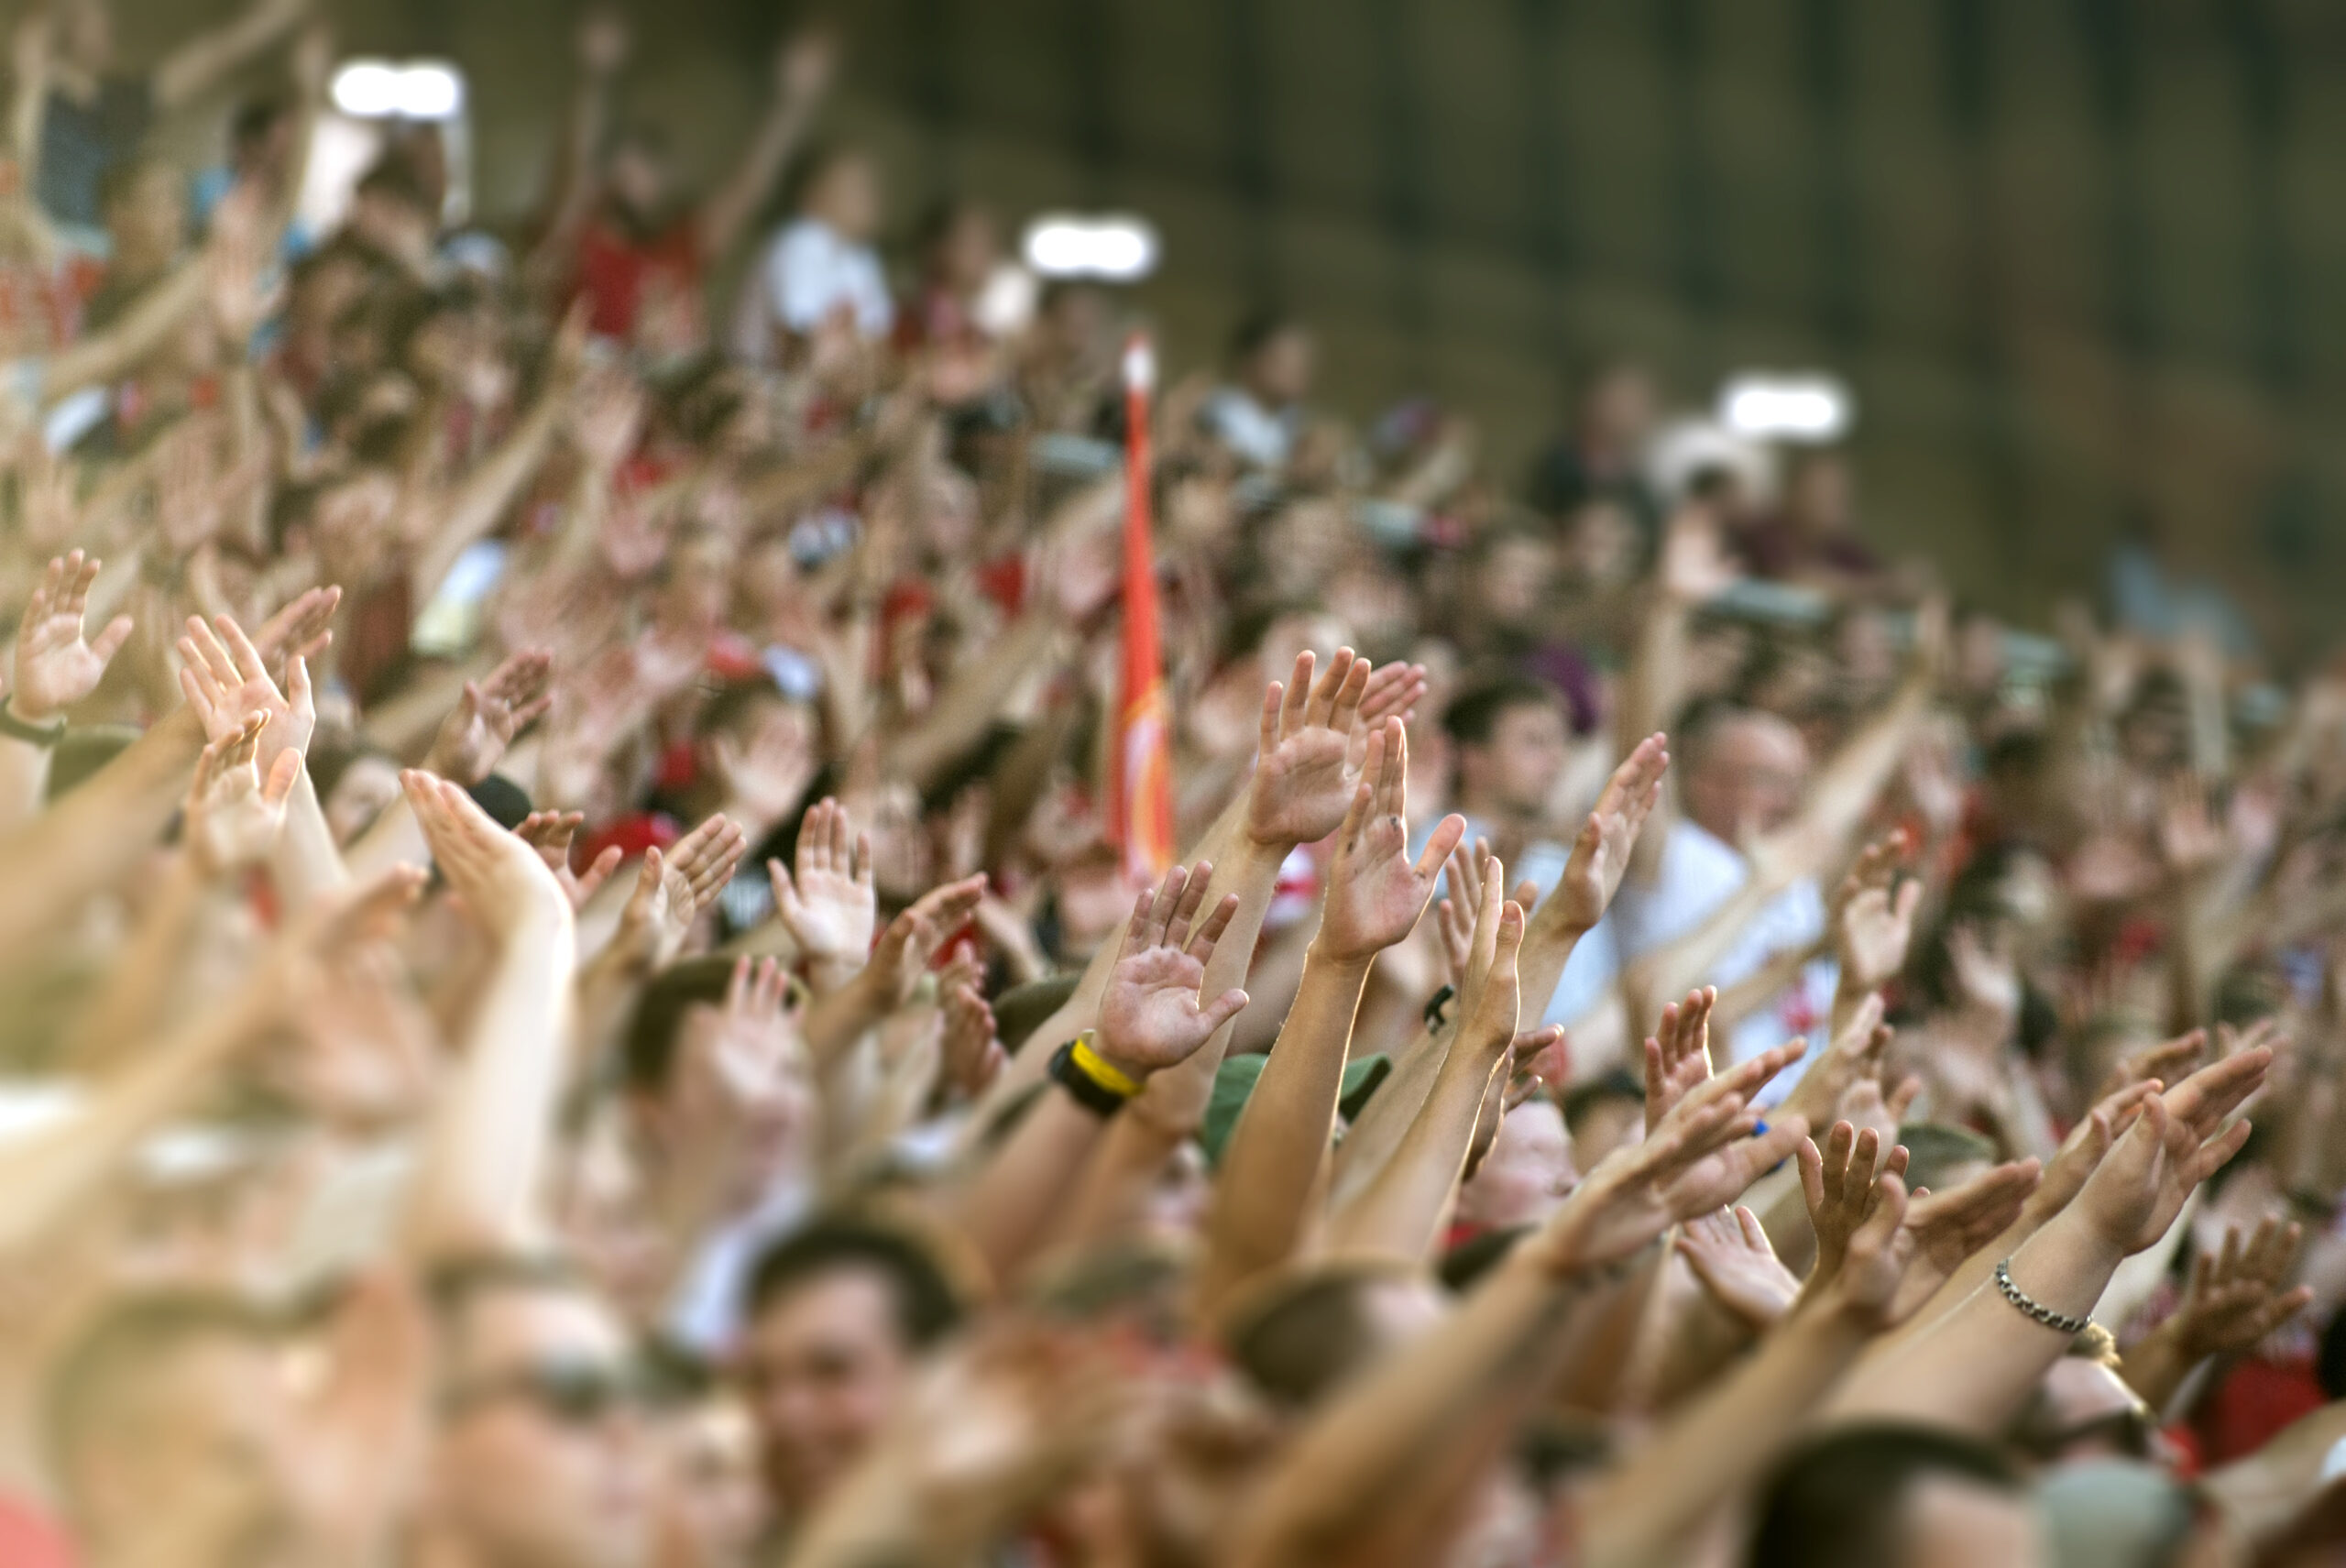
(57, 665)
(1150, 1018)
(1303, 780)
(1600, 855)
(1374, 893)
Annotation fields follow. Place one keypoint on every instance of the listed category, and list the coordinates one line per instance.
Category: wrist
(1337, 964)
(28, 712)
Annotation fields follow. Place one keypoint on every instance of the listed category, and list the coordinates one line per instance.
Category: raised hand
(1600, 854)
(1867, 1288)
(304, 627)
(473, 738)
(1375, 894)
(697, 868)
(971, 1054)
(1393, 692)
(1729, 1253)
(1490, 1003)
(1701, 1158)
(2235, 1296)
(1838, 1184)
(1150, 1017)
(1455, 915)
(913, 938)
(504, 882)
(2179, 1140)
(233, 816)
(741, 1067)
(1678, 1052)
(57, 665)
(830, 908)
(1854, 1056)
(225, 682)
(1949, 1226)
(1872, 914)
(2168, 1061)
(551, 833)
(1304, 776)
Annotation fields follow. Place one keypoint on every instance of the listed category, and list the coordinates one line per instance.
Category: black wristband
(15, 728)
(1435, 1016)
(1096, 1098)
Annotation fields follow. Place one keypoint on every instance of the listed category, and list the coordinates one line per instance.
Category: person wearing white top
(820, 263)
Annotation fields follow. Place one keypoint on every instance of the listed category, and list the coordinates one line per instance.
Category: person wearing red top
(620, 237)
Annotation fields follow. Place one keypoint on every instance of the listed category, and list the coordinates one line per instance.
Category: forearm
(483, 496)
(962, 710)
(109, 356)
(1717, 1446)
(486, 1151)
(1974, 1367)
(96, 836)
(202, 61)
(391, 839)
(307, 865)
(1747, 995)
(1547, 948)
(1668, 974)
(2156, 1367)
(1007, 1207)
(1372, 1142)
(1399, 1213)
(24, 780)
(1273, 1164)
(1846, 788)
(726, 212)
(129, 1001)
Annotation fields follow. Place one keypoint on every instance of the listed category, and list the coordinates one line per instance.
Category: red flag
(1140, 770)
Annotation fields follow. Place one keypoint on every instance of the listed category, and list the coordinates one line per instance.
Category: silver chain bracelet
(2034, 1308)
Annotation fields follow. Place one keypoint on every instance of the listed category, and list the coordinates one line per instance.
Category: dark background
(2075, 255)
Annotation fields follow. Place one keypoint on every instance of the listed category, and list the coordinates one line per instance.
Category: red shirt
(619, 275)
(28, 1540)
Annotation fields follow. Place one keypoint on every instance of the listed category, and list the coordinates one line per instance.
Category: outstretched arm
(801, 74)
(1277, 1161)
(202, 61)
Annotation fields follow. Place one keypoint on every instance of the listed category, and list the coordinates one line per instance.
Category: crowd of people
(574, 997)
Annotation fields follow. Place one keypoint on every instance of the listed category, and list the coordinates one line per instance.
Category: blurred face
(846, 195)
(1529, 1171)
(1514, 579)
(1748, 778)
(967, 252)
(1509, 774)
(359, 795)
(1620, 408)
(1609, 1124)
(700, 583)
(638, 179)
(1280, 372)
(1818, 496)
(1957, 1524)
(543, 1458)
(823, 1368)
(709, 1491)
(213, 1446)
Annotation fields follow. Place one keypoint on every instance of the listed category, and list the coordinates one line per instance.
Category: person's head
(842, 191)
(1274, 355)
(960, 245)
(1744, 772)
(85, 35)
(1508, 736)
(1816, 492)
(1299, 1337)
(541, 1460)
(1528, 1172)
(260, 138)
(839, 1315)
(1515, 573)
(638, 174)
(394, 212)
(1618, 412)
(144, 208)
(167, 1407)
(1605, 1113)
(1943, 1157)
(1895, 1496)
(755, 718)
(353, 787)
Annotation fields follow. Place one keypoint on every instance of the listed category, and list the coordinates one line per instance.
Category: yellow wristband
(1101, 1071)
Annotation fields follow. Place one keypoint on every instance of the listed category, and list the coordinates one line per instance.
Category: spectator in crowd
(578, 988)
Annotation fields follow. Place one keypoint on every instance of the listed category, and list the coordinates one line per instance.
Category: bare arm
(802, 73)
(197, 65)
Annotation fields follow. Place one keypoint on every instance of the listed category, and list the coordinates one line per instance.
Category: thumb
(283, 774)
(1223, 1008)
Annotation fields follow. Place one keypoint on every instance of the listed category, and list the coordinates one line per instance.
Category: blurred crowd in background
(577, 996)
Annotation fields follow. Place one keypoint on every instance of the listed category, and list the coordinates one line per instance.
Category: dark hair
(927, 1306)
(89, 1397)
(1258, 327)
(256, 117)
(648, 1050)
(1836, 1502)
(1464, 1265)
(396, 178)
(1615, 1083)
(1310, 1332)
(1472, 717)
(730, 708)
(1934, 1148)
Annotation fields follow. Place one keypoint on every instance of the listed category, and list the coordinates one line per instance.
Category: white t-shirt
(1262, 437)
(808, 272)
(1699, 874)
